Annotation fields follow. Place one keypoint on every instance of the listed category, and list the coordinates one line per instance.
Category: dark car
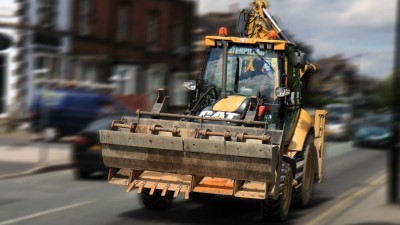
(66, 112)
(374, 131)
(86, 152)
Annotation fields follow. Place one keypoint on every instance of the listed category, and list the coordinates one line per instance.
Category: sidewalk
(20, 135)
(20, 155)
(366, 205)
(372, 209)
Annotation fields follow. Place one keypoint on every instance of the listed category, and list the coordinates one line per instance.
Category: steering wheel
(205, 100)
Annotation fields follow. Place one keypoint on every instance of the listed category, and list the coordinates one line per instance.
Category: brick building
(132, 47)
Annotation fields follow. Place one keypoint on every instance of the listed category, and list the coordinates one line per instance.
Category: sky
(361, 30)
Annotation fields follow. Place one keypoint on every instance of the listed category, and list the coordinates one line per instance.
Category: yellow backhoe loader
(245, 134)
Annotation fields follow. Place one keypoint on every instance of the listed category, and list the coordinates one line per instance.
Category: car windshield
(250, 71)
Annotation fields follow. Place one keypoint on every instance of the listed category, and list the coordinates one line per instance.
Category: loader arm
(261, 24)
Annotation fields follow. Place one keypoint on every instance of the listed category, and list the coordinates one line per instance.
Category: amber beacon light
(223, 32)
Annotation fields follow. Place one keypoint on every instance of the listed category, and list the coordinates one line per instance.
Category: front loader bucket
(175, 148)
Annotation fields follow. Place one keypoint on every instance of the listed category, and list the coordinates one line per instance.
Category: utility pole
(394, 156)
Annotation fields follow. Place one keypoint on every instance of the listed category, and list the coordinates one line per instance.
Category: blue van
(66, 112)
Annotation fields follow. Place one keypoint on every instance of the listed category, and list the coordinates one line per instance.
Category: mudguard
(303, 126)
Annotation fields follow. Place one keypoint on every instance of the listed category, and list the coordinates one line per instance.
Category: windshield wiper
(255, 51)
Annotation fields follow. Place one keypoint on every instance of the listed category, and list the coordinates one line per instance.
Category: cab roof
(278, 45)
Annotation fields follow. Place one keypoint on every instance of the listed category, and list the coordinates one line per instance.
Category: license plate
(95, 148)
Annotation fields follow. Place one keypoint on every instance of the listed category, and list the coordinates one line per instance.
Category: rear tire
(305, 174)
(156, 201)
(278, 210)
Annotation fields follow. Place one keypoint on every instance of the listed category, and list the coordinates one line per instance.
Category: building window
(85, 16)
(92, 72)
(177, 35)
(47, 67)
(123, 21)
(178, 94)
(88, 72)
(47, 11)
(153, 35)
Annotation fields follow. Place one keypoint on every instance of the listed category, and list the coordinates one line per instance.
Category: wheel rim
(286, 196)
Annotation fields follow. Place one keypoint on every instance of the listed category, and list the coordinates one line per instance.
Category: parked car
(374, 131)
(66, 112)
(337, 128)
(343, 110)
(86, 152)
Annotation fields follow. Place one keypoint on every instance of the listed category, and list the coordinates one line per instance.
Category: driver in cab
(260, 79)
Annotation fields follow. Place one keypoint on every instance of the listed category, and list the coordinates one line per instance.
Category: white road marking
(348, 198)
(19, 219)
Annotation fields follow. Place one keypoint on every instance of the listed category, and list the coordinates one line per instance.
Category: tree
(384, 95)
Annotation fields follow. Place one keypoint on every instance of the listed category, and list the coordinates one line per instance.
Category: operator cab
(250, 71)
(242, 74)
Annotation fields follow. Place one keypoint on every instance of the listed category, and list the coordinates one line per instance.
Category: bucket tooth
(132, 186)
(153, 188)
(187, 191)
(165, 189)
(141, 186)
(176, 193)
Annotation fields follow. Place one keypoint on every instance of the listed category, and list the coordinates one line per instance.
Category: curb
(38, 170)
(67, 139)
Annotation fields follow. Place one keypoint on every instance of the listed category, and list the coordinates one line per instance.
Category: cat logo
(221, 115)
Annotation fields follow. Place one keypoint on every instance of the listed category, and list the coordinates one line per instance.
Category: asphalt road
(57, 198)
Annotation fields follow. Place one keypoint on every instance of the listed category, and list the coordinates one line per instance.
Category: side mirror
(299, 59)
(191, 85)
(282, 92)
